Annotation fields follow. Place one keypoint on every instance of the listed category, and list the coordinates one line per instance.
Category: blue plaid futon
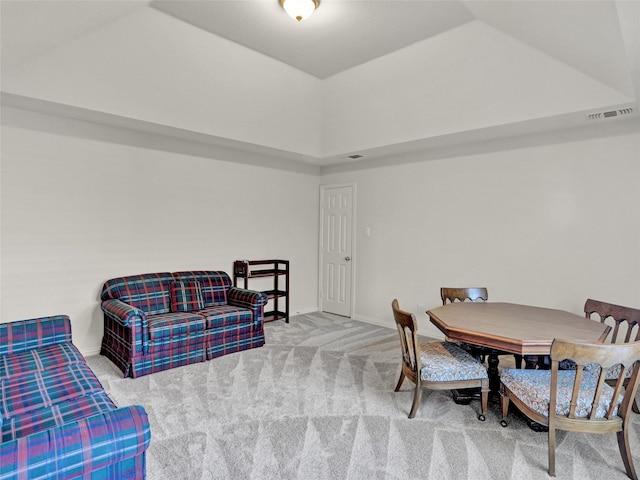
(56, 421)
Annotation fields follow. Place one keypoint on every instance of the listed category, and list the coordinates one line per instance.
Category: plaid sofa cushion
(186, 296)
(224, 315)
(28, 392)
(55, 415)
(148, 292)
(215, 284)
(34, 333)
(39, 359)
(175, 325)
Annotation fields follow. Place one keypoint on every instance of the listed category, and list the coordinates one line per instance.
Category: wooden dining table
(512, 328)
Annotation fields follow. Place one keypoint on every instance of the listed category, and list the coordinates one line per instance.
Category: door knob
(348, 259)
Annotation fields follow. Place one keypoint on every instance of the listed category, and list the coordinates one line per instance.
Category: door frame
(352, 263)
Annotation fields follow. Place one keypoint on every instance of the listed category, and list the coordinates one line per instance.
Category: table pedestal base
(537, 427)
(464, 396)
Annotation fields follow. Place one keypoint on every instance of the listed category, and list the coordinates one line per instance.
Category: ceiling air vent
(610, 114)
(355, 156)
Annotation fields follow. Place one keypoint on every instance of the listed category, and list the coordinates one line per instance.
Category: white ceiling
(338, 36)
(598, 39)
(342, 34)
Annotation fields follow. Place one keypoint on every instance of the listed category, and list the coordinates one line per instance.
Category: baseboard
(375, 321)
(427, 330)
(304, 311)
(89, 352)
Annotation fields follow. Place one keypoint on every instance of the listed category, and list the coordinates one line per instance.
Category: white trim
(90, 352)
(432, 333)
(51, 117)
(304, 311)
(354, 257)
(375, 321)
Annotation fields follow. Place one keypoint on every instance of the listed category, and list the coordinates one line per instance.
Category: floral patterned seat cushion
(533, 388)
(446, 362)
(612, 374)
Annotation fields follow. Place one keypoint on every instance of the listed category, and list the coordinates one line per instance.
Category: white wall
(153, 67)
(549, 225)
(546, 225)
(77, 211)
(467, 78)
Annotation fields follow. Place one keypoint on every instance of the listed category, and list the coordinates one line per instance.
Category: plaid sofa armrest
(77, 448)
(254, 301)
(123, 313)
(128, 317)
(23, 335)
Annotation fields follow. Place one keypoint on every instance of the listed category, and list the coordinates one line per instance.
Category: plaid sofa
(56, 420)
(158, 321)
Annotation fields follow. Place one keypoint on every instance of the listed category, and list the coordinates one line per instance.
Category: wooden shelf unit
(279, 294)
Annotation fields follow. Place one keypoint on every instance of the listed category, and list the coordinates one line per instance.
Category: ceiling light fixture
(299, 9)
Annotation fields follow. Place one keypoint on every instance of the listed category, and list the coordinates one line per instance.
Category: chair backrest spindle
(605, 356)
(630, 317)
(450, 295)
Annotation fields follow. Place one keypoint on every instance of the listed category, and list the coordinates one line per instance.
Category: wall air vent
(610, 114)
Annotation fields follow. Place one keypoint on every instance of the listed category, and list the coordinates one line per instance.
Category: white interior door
(336, 250)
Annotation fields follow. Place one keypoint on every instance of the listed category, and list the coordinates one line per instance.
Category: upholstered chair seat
(533, 388)
(447, 362)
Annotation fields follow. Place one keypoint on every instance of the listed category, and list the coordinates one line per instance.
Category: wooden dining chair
(471, 294)
(436, 365)
(582, 399)
(626, 320)
(626, 328)
(450, 295)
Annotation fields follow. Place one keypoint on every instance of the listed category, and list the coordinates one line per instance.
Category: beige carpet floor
(317, 402)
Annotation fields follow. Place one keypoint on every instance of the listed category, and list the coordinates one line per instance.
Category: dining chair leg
(504, 406)
(417, 397)
(400, 380)
(484, 400)
(552, 451)
(625, 453)
(635, 407)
